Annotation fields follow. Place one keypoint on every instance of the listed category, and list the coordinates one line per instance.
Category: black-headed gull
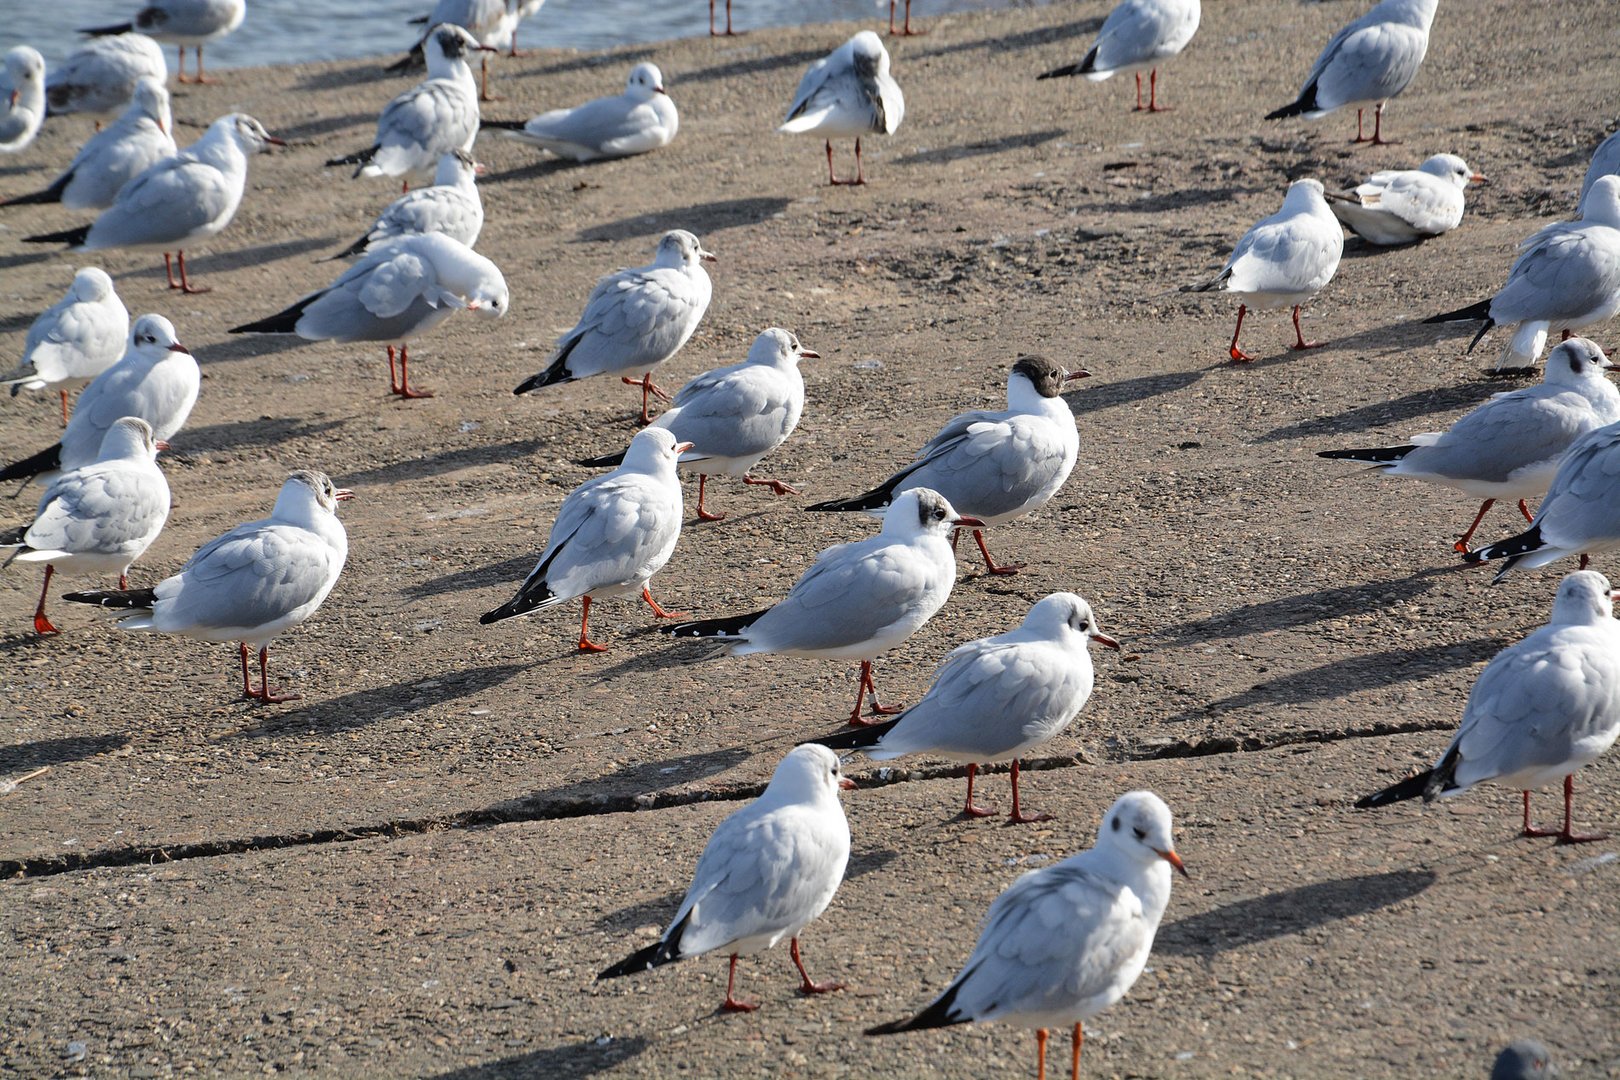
(141, 137)
(22, 109)
(73, 340)
(1510, 447)
(612, 534)
(1283, 261)
(182, 23)
(1065, 942)
(1539, 711)
(635, 320)
(641, 119)
(451, 206)
(1137, 36)
(157, 380)
(848, 92)
(1402, 206)
(733, 416)
(997, 698)
(252, 584)
(492, 23)
(1368, 62)
(858, 600)
(993, 465)
(99, 76)
(1605, 162)
(404, 288)
(767, 872)
(180, 201)
(100, 518)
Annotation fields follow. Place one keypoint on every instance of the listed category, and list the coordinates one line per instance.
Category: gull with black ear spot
(848, 92)
(1403, 206)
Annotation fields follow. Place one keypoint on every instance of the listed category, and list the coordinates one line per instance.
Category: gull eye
(1141, 834)
(1114, 824)
(1083, 625)
(939, 515)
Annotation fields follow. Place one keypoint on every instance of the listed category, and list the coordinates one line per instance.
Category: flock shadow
(756, 65)
(1019, 141)
(449, 461)
(1091, 398)
(642, 777)
(701, 218)
(1407, 407)
(233, 436)
(310, 129)
(1029, 39)
(249, 346)
(361, 707)
(509, 571)
(1303, 608)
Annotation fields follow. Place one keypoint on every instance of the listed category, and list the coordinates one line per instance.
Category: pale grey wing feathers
(1374, 63)
(814, 77)
(100, 509)
(1422, 203)
(752, 879)
(992, 469)
(252, 576)
(1581, 504)
(734, 412)
(1271, 256)
(165, 203)
(987, 700)
(877, 574)
(601, 124)
(1564, 274)
(1509, 433)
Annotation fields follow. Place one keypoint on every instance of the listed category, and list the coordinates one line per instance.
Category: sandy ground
(418, 868)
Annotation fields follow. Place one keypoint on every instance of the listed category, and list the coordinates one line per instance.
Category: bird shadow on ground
(348, 76)
(774, 63)
(234, 436)
(1305, 608)
(248, 347)
(657, 910)
(361, 707)
(509, 571)
(1380, 414)
(701, 218)
(1091, 398)
(586, 61)
(19, 170)
(1292, 911)
(261, 254)
(16, 322)
(1179, 199)
(532, 171)
(306, 132)
(449, 461)
(28, 258)
(869, 862)
(979, 149)
(571, 1060)
(26, 757)
(641, 777)
(1044, 35)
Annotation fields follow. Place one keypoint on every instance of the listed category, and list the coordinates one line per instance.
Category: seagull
(1137, 36)
(993, 466)
(431, 118)
(635, 320)
(1368, 62)
(451, 206)
(24, 99)
(1402, 206)
(100, 75)
(729, 32)
(734, 416)
(100, 518)
(179, 201)
(1065, 942)
(612, 534)
(848, 92)
(1605, 162)
(642, 118)
(906, 31)
(404, 288)
(73, 340)
(1567, 276)
(1510, 447)
(1539, 711)
(997, 698)
(492, 24)
(251, 584)
(156, 380)
(182, 23)
(141, 137)
(767, 872)
(1283, 261)
(1524, 1059)
(858, 600)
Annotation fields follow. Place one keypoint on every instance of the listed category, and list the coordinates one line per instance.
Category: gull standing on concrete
(612, 534)
(642, 118)
(100, 518)
(180, 201)
(24, 99)
(848, 92)
(993, 465)
(137, 140)
(432, 118)
(1567, 276)
(182, 23)
(252, 584)
(1605, 162)
(767, 872)
(1510, 447)
(1138, 36)
(997, 698)
(1368, 62)
(404, 288)
(1402, 206)
(157, 381)
(635, 320)
(1539, 711)
(860, 599)
(99, 76)
(1065, 942)
(74, 340)
(1283, 261)
(451, 206)
(734, 416)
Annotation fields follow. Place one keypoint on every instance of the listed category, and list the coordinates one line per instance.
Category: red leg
(123, 580)
(264, 693)
(731, 1004)
(1378, 124)
(1079, 1037)
(247, 683)
(808, 987)
(860, 170)
(186, 286)
(1018, 816)
(1153, 92)
(956, 534)
(1359, 137)
(1566, 836)
(1585, 559)
(864, 686)
(704, 515)
(1299, 335)
(1237, 354)
(201, 76)
(1005, 568)
(585, 642)
(647, 387)
(1461, 546)
(404, 388)
(64, 406)
(42, 625)
(968, 808)
(832, 178)
(1138, 93)
(658, 612)
(906, 30)
(776, 486)
(180, 76)
(1566, 336)
(1040, 1054)
(483, 79)
(1525, 510)
(168, 270)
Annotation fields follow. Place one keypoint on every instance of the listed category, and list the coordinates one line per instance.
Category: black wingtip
(859, 738)
(937, 1015)
(1480, 310)
(1306, 102)
(1372, 455)
(71, 237)
(1410, 788)
(132, 599)
(725, 627)
(665, 951)
(606, 461)
(876, 499)
(409, 62)
(358, 158)
(1513, 548)
(1484, 327)
(47, 460)
(504, 125)
(106, 31)
(556, 373)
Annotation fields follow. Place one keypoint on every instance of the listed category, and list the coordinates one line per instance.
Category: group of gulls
(1061, 943)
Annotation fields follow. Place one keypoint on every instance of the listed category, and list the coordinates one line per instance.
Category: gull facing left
(848, 92)
(1137, 36)
(182, 23)
(451, 206)
(139, 138)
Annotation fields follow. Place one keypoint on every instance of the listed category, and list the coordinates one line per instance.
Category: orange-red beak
(1070, 376)
(1174, 860)
(342, 494)
(1479, 178)
(846, 784)
(1104, 639)
(681, 448)
(810, 353)
(968, 523)
(162, 445)
(177, 347)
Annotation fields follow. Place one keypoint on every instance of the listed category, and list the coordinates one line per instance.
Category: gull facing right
(1402, 206)
(140, 138)
(641, 119)
(73, 340)
(848, 92)
(1137, 36)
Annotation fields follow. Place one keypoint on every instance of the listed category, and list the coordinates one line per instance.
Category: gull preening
(404, 288)
(1510, 446)
(1539, 711)
(1402, 206)
(182, 23)
(848, 92)
(993, 465)
(997, 698)
(1137, 36)
(1368, 62)
(100, 518)
(1283, 261)
(612, 534)
(141, 137)
(1065, 942)
(451, 206)
(767, 872)
(1605, 162)
(859, 599)
(641, 119)
(99, 76)
(73, 340)
(733, 416)
(250, 585)
(635, 320)
(23, 99)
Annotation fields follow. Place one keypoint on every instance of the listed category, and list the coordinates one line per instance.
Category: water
(295, 31)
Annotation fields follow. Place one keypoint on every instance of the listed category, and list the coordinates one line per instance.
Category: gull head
(151, 97)
(153, 335)
(1602, 203)
(654, 450)
(808, 774)
(645, 80)
(311, 487)
(778, 347)
(24, 68)
(1305, 195)
(129, 437)
(681, 248)
(869, 56)
(449, 42)
(1584, 597)
(1524, 1059)
(924, 512)
(1043, 376)
(1066, 613)
(91, 285)
(1453, 168)
(250, 134)
(454, 168)
(1576, 360)
(1139, 827)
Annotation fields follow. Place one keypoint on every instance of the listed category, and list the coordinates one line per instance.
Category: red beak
(1104, 639)
(162, 445)
(807, 353)
(1174, 860)
(1480, 178)
(846, 784)
(681, 448)
(342, 494)
(177, 347)
(969, 523)
(1073, 375)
